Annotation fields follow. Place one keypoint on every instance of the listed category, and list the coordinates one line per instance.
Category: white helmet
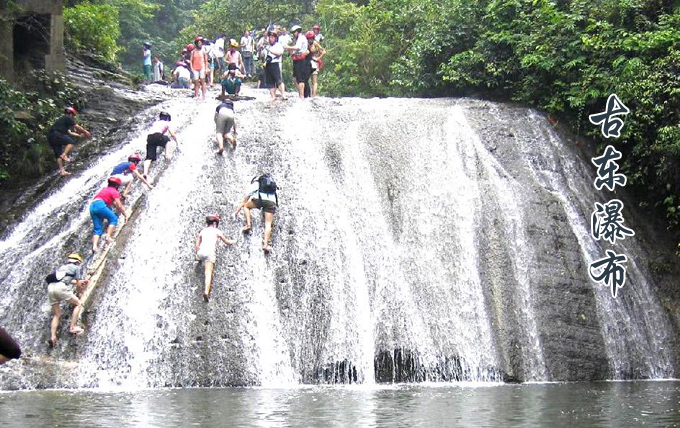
(295, 28)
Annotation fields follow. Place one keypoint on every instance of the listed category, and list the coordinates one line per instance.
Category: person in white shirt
(273, 56)
(301, 67)
(218, 47)
(247, 48)
(181, 76)
(206, 249)
(157, 69)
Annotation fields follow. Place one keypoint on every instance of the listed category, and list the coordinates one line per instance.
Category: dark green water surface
(602, 404)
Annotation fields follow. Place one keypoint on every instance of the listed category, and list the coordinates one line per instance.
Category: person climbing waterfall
(61, 137)
(156, 139)
(262, 194)
(126, 171)
(9, 348)
(60, 289)
(100, 210)
(225, 126)
(206, 249)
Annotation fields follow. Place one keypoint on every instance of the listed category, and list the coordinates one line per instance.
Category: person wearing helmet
(247, 49)
(225, 126)
(273, 56)
(206, 249)
(146, 61)
(126, 171)
(231, 81)
(181, 76)
(157, 138)
(100, 210)
(316, 52)
(60, 289)
(199, 66)
(301, 67)
(317, 33)
(262, 195)
(233, 56)
(61, 137)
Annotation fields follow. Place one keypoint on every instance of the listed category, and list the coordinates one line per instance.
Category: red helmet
(316, 27)
(212, 218)
(198, 39)
(190, 47)
(115, 180)
(70, 110)
(134, 158)
(310, 34)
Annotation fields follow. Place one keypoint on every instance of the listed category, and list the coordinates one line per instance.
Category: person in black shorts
(61, 137)
(9, 348)
(157, 138)
(261, 195)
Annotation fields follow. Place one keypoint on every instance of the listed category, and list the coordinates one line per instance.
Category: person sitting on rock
(61, 137)
(262, 194)
(60, 288)
(206, 249)
(225, 126)
(126, 171)
(156, 139)
(231, 81)
(181, 76)
(100, 210)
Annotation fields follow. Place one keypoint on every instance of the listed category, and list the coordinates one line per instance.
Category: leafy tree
(93, 27)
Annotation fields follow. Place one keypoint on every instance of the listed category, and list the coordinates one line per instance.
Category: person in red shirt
(100, 210)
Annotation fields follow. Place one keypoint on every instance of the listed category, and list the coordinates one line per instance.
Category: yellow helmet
(75, 256)
(233, 43)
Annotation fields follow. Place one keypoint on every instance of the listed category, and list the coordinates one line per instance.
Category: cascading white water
(404, 250)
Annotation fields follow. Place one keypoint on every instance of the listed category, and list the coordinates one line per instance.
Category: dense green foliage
(93, 27)
(23, 149)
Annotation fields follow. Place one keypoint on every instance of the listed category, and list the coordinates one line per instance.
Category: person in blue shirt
(126, 171)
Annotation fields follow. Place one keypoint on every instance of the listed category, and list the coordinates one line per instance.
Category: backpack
(54, 277)
(267, 184)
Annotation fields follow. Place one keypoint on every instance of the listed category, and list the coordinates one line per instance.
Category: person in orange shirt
(199, 66)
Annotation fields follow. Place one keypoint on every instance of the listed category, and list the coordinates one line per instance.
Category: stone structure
(33, 31)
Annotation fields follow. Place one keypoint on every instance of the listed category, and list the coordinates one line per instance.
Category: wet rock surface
(447, 249)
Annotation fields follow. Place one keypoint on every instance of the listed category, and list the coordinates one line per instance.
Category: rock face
(111, 115)
(415, 240)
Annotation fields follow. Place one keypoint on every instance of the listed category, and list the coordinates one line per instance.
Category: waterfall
(415, 240)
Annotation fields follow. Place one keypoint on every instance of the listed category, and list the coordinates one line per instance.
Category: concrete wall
(55, 60)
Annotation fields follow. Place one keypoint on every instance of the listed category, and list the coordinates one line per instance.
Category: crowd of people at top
(229, 62)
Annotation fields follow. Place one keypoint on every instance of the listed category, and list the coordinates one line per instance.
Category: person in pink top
(199, 66)
(100, 210)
